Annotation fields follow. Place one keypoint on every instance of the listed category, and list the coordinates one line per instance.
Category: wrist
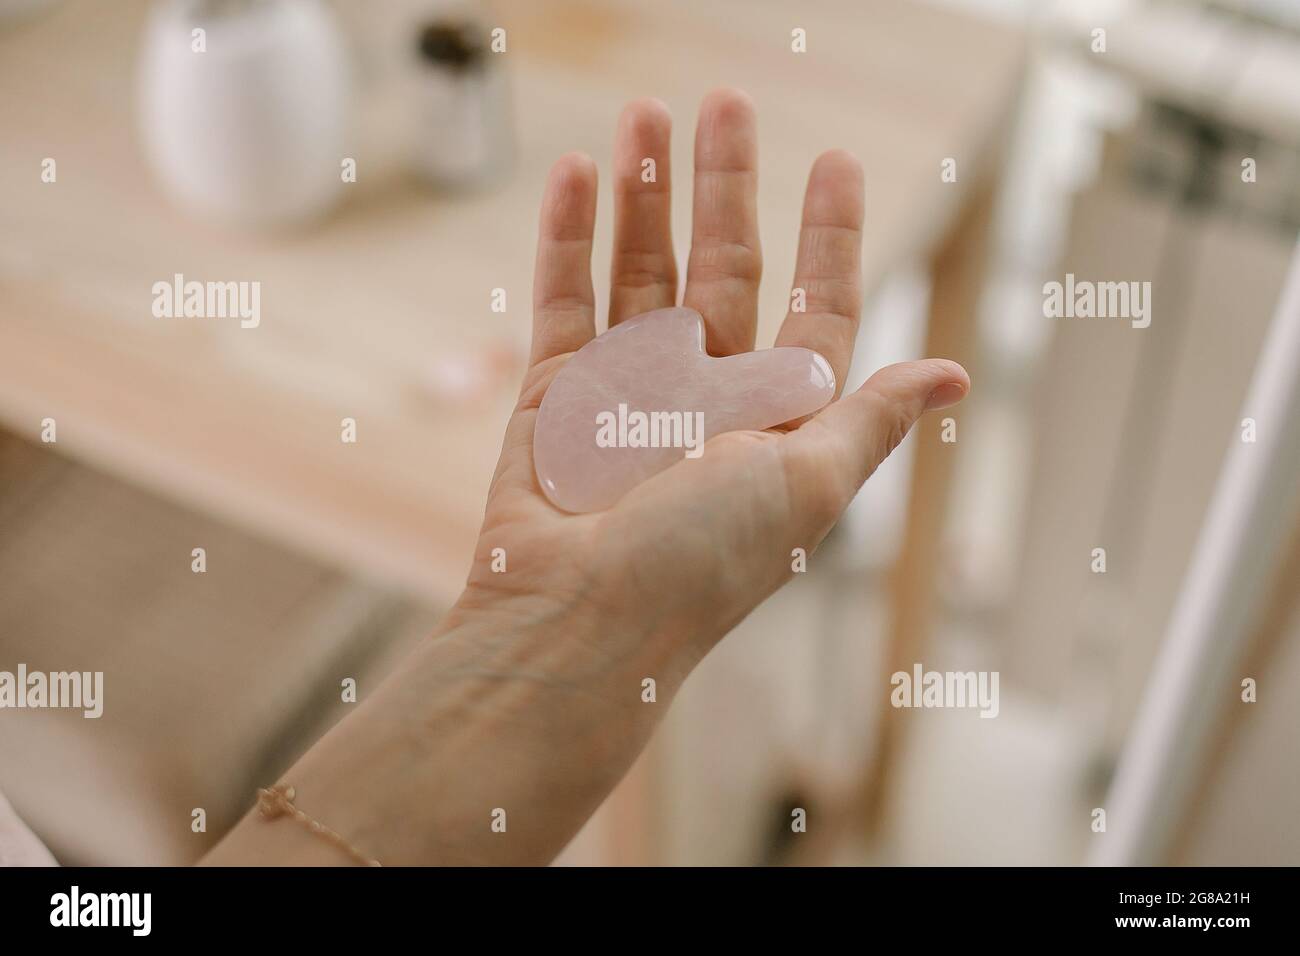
(532, 710)
(573, 637)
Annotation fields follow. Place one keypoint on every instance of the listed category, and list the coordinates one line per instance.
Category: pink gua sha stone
(652, 363)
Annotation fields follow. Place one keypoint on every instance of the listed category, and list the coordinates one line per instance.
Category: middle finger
(726, 261)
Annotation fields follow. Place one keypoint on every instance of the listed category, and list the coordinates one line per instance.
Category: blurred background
(376, 167)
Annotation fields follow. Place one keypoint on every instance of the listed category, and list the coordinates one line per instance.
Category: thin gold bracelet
(275, 802)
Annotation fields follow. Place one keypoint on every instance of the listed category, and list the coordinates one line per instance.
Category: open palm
(687, 554)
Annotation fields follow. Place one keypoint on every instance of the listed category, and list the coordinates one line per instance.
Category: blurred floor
(213, 682)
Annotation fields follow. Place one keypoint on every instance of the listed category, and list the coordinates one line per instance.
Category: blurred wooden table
(358, 312)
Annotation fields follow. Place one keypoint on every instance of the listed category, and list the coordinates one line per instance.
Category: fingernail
(948, 394)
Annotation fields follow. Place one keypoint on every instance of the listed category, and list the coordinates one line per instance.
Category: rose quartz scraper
(632, 401)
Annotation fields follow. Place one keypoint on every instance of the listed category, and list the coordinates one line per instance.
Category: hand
(686, 555)
(527, 705)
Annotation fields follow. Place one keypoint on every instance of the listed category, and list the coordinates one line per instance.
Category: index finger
(826, 300)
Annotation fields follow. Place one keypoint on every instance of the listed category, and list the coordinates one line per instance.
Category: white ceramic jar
(246, 122)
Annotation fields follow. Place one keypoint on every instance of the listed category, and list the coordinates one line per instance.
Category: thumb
(834, 453)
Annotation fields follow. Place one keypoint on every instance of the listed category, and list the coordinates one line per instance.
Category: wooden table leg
(958, 270)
